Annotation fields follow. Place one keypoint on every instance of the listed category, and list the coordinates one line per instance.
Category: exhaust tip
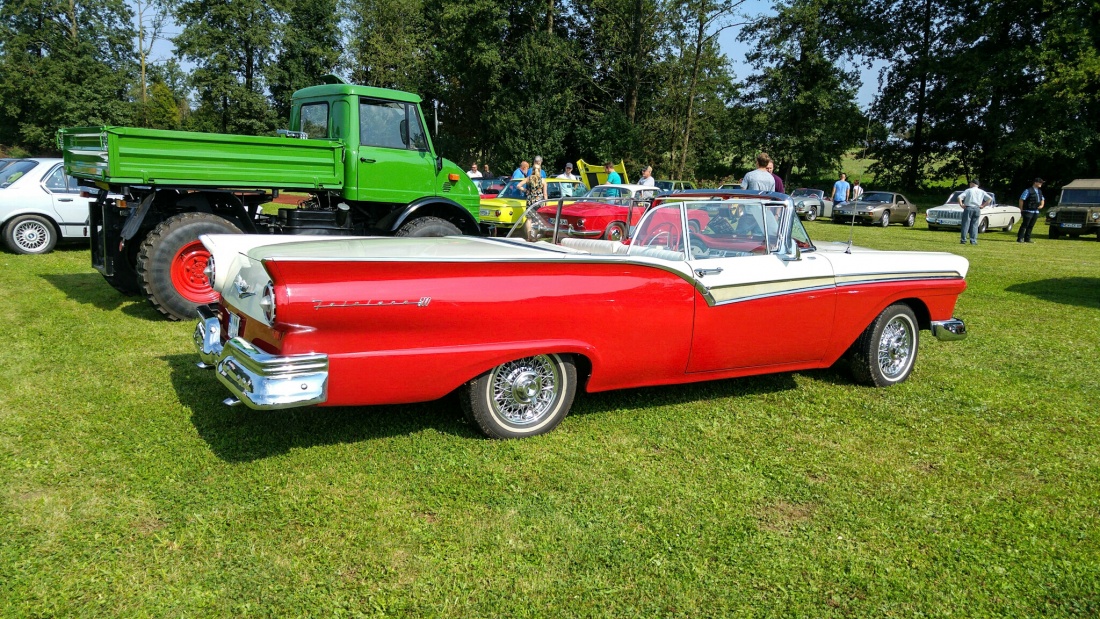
(231, 401)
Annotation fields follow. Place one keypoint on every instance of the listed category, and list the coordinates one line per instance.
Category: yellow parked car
(504, 210)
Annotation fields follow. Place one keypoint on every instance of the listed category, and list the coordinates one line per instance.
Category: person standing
(647, 177)
(521, 171)
(613, 177)
(473, 172)
(841, 190)
(538, 162)
(972, 200)
(534, 184)
(568, 173)
(487, 173)
(857, 190)
(759, 179)
(778, 181)
(1031, 202)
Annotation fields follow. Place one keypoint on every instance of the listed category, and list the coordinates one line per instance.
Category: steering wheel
(660, 230)
(699, 247)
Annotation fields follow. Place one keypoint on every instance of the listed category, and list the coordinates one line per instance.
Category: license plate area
(1071, 225)
(234, 326)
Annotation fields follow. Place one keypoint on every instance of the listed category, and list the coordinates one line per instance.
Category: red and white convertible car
(361, 321)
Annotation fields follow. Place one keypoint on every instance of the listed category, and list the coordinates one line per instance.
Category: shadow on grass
(89, 289)
(240, 434)
(1080, 291)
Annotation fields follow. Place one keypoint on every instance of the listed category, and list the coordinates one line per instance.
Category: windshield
(807, 193)
(877, 196)
(1080, 196)
(513, 191)
(15, 171)
(607, 192)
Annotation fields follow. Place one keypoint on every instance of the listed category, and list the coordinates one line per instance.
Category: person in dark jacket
(1031, 202)
(778, 181)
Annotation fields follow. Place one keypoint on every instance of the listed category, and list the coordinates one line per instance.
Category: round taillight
(267, 302)
(209, 271)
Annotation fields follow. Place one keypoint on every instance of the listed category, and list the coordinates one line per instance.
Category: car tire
(811, 214)
(30, 234)
(171, 260)
(911, 220)
(616, 231)
(983, 225)
(428, 226)
(885, 221)
(521, 398)
(886, 351)
(1054, 233)
(1011, 222)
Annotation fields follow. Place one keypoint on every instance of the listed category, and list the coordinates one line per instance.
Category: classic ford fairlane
(364, 321)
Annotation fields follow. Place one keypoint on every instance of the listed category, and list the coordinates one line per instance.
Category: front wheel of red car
(524, 397)
(886, 351)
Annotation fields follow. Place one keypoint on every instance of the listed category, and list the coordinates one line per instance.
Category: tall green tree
(388, 44)
(310, 47)
(807, 116)
(229, 43)
(62, 63)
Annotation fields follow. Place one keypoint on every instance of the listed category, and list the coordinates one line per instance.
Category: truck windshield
(1080, 196)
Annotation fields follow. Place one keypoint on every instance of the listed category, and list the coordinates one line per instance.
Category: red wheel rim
(187, 273)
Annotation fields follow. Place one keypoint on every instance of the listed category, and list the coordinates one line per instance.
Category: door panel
(71, 210)
(395, 164)
(767, 311)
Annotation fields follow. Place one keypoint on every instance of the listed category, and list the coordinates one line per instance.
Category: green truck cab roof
(330, 90)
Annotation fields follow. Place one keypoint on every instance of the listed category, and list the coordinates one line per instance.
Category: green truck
(361, 158)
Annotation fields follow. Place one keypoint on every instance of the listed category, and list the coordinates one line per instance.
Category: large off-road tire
(886, 351)
(171, 261)
(428, 226)
(983, 225)
(521, 398)
(1011, 222)
(30, 234)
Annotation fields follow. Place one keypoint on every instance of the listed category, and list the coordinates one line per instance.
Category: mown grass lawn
(973, 490)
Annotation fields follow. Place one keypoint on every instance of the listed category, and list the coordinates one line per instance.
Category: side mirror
(403, 129)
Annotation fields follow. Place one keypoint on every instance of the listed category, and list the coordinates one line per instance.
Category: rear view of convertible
(740, 291)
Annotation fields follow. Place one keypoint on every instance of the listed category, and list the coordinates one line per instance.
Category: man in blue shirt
(1031, 202)
(613, 177)
(759, 179)
(972, 200)
(840, 190)
(522, 171)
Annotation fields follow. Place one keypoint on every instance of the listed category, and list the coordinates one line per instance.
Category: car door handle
(714, 271)
(365, 160)
(64, 199)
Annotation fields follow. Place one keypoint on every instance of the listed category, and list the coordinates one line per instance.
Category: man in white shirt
(972, 200)
(473, 172)
(568, 173)
(647, 177)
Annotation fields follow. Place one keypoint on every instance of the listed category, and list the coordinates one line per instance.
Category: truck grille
(1072, 217)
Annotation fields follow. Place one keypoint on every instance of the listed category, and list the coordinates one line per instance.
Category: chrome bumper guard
(261, 380)
(949, 330)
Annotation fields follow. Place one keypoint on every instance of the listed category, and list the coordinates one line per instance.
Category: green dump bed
(133, 156)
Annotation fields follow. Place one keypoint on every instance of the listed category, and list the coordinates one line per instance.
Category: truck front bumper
(261, 380)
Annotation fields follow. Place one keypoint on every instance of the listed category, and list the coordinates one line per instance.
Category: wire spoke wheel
(895, 347)
(523, 397)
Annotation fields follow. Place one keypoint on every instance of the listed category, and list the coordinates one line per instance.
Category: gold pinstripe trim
(755, 290)
(864, 278)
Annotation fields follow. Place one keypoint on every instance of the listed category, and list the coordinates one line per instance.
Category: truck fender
(443, 208)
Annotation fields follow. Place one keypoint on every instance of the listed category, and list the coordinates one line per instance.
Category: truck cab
(1078, 210)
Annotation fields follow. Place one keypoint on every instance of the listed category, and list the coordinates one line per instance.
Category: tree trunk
(700, 31)
(913, 173)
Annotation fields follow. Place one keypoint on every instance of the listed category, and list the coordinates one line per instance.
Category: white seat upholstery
(595, 246)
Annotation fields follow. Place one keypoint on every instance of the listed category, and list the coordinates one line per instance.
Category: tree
(229, 43)
(150, 17)
(310, 49)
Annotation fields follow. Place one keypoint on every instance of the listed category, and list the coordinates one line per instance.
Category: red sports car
(605, 212)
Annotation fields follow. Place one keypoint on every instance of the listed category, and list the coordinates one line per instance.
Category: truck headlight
(267, 302)
(1051, 214)
(1096, 214)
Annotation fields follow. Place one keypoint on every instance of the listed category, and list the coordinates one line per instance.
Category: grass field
(972, 490)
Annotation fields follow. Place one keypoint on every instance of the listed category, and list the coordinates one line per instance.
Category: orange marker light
(453, 178)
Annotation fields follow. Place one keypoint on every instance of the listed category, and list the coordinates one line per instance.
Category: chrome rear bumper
(261, 380)
(949, 330)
